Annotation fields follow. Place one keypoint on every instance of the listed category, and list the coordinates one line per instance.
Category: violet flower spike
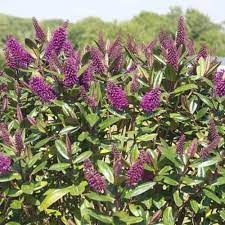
(213, 133)
(40, 34)
(42, 89)
(180, 144)
(151, 100)
(5, 163)
(4, 134)
(19, 145)
(97, 60)
(181, 32)
(116, 96)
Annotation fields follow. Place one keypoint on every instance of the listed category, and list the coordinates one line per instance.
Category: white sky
(106, 9)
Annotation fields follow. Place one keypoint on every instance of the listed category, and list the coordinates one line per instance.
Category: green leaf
(68, 130)
(100, 198)
(77, 190)
(168, 216)
(39, 167)
(28, 188)
(194, 206)
(43, 142)
(92, 119)
(53, 196)
(106, 170)
(139, 189)
(108, 122)
(146, 137)
(212, 196)
(205, 99)
(9, 176)
(184, 88)
(209, 162)
(124, 217)
(222, 214)
(177, 199)
(59, 166)
(99, 217)
(34, 159)
(61, 148)
(82, 157)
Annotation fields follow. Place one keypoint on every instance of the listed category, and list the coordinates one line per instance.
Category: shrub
(116, 133)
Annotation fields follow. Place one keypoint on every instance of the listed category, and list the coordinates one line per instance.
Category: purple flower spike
(181, 32)
(5, 163)
(219, 83)
(95, 180)
(180, 144)
(19, 142)
(116, 96)
(151, 100)
(117, 161)
(89, 100)
(16, 56)
(86, 77)
(213, 133)
(68, 49)
(134, 84)
(193, 148)
(172, 56)
(4, 134)
(211, 146)
(40, 34)
(56, 43)
(97, 60)
(70, 69)
(42, 89)
(203, 52)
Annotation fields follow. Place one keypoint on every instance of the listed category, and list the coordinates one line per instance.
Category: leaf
(177, 199)
(209, 162)
(100, 198)
(106, 171)
(92, 119)
(82, 157)
(146, 137)
(59, 166)
(42, 142)
(194, 206)
(9, 176)
(124, 217)
(139, 189)
(205, 100)
(53, 196)
(39, 167)
(168, 216)
(100, 217)
(29, 43)
(108, 122)
(184, 88)
(78, 189)
(212, 196)
(61, 148)
(68, 130)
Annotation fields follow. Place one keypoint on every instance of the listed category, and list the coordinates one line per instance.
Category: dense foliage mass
(119, 133)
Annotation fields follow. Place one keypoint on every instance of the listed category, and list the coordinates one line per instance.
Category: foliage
(117, 133)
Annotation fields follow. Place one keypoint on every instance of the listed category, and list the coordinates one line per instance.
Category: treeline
(143, 27)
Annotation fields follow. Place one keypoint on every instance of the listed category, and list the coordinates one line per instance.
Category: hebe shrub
(117, 133)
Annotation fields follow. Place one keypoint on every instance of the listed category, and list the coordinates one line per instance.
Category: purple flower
(114, 49)
(131, 68)
(192, 148)
(181, 32)
(134, 84)
(3, 87)
(42, 89)
(19, 141)
(5, 163)
(95, 180)
(132, 45)
(203, 52)
(56, 43)
(116, 96)
(180, 144)
(101, 42)
(135, 173)
(40, 34)
(172, 56)
(147, 176)
(118, 63)
(148, 51)
(86, 77)
(165, 40)
(97, 60)
(210, 147)
(4, 134)
(219, 83)
(190, 45)
(213, 133)
(89, 100)
(16, 56)
(151, 100)
(70, 69)
(69, 50)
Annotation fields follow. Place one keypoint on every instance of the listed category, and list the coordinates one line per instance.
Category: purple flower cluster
(19, 142)
(180, 144)
(68, 49)
(134, 84)
(16, 56)
(213, 133)
(210, 147)
(4, 134)
(181, 32)
(151, 100)
(56, 43)
(116, 96)
(101, 42)
(40, 34)
(97, 60)
(115, 49)
(219, 83)
(132, 45)
(5, 163)
(42, 89)
(148, 51)
(203, 52)
(86, 78)
(172, 56)
(70, 69)
(95, 180)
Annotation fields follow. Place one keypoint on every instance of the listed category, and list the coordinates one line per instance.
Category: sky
(108, 10)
